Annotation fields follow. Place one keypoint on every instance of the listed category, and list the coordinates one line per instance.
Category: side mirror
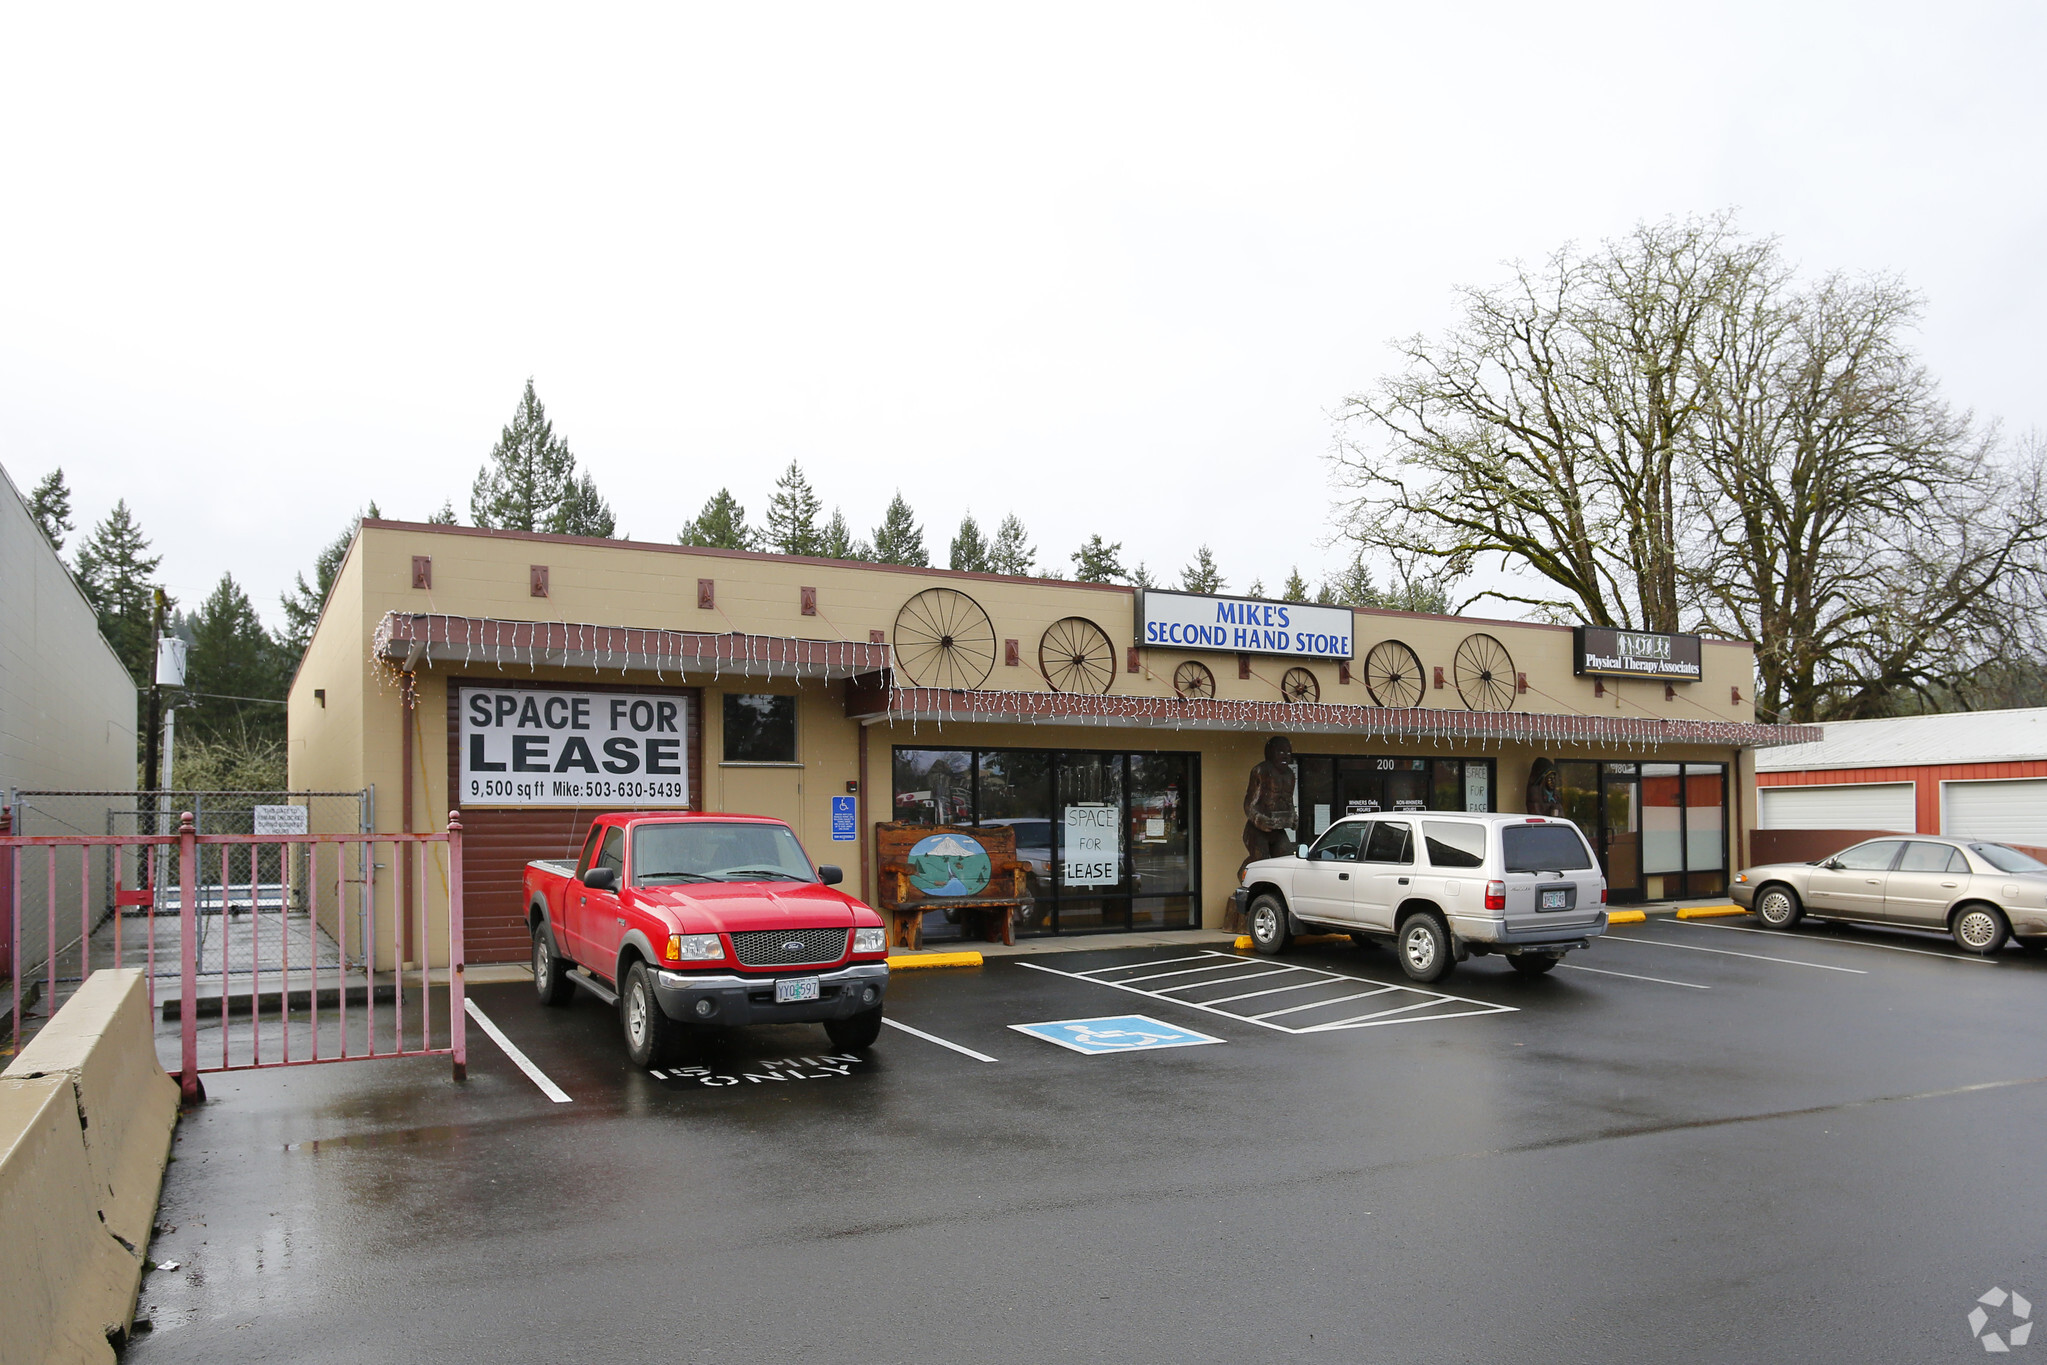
(601, 879)
(1300, 850)
(1832, 864)
(829, 875)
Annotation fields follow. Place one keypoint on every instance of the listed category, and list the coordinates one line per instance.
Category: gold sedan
(1983, 894)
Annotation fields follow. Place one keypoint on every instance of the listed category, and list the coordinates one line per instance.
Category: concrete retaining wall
(86, 1118)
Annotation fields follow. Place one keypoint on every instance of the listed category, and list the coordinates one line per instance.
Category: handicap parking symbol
(1117, 1033)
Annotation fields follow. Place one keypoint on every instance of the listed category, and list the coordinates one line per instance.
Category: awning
(872, 699)
(412, 640)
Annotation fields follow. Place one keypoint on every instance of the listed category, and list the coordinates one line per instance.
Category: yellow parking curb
(1710, 911)
(1245, 945)
(897, 964)
(1625, 917)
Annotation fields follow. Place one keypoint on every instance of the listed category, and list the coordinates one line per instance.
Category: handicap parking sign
(843, 827)
(1116, 1033)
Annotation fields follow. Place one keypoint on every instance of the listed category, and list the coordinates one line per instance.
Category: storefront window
(1333, 786)
(759, 728)
(1160, 840)
(1662, 818)
(934, 786)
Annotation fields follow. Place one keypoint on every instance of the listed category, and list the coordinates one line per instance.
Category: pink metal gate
(283, 930)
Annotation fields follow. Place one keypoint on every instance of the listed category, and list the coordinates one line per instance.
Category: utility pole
(149, 755)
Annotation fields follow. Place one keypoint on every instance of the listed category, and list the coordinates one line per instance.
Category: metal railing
(263, 931)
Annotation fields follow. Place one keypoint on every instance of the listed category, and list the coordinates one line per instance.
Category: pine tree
(1140, 577)
(1296, 589)
(1351, 588)
(118, 579)
(583, 512)
(1202, 575)
(444, 517)
(970, 547)
(1096, 562)
(839, 542)
(1011, 551)
(531, 473)
(1257, 588)
(233, 656)
(792, 515)
(50, 505)
(899, 539)
(304, 603)
(720, 526)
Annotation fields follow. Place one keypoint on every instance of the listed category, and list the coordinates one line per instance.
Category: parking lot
(1698, 1141)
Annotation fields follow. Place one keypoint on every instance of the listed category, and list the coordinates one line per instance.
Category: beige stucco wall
(355, 740)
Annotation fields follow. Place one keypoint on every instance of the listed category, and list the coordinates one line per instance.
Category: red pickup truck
(684, 919)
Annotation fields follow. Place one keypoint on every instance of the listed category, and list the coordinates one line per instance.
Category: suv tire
(1267, 922)
(857, 1033)
(1425, 951)
(550, 969)
(651, 1037)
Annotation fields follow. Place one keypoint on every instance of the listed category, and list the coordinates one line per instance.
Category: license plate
(1556, 900)
(791, 992)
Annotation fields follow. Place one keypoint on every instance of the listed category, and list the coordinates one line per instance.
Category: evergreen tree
(792, 515)
(1351, 588)
(1140, 577)
(444, 517)
(304, 603)
(583, 512)
(233, 656)
(50, 505)
(1202, 575)
(1257, 588)
(1096, 562)
(531, 473)
(720, 526)
(1296, 589)
(970, 547)
(899, 539)
(118, 579)
(1011, 551)
(839, 542)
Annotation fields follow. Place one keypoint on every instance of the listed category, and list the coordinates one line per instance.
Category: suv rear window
(1453, 843)
(1543, 848)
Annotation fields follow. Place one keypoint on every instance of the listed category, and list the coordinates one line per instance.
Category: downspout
(403, 855)
(859, 830)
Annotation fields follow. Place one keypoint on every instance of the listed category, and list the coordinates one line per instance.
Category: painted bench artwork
(969, 872)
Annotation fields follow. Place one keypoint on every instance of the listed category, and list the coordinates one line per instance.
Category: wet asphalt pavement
(1827, 1157)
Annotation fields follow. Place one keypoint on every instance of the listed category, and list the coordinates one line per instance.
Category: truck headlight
(870, 940)
(695, 948)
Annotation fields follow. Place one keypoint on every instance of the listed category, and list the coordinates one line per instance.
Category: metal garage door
(1871, 805)
(2015, 811)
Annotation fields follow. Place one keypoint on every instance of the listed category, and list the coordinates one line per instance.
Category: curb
(904, 963)
(1710, 911)
(1625, 916)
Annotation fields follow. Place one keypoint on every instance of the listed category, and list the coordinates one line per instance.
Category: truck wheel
(857, 1033)
(550, 973)
(651, 1037)
(1425, 952)
(1534, 964)
(1269, 934)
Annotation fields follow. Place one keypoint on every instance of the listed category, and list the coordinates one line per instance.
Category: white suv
(1439, 887)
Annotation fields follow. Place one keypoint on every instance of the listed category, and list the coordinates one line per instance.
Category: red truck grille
(789, 947)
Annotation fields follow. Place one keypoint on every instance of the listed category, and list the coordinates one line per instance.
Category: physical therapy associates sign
(1635, 654)
(1241, 625)
(570, 748)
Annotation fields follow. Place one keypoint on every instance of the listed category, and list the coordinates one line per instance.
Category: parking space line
(1661, 981)
(1275, 990)
(519, 1059)
(1724, 952)
(1164, 961)
(1217, 981)
(1318, 1004)
(934, 1038)
(1361, 1020)
(1379, 1019)
(1852, 942)
(1184, 971)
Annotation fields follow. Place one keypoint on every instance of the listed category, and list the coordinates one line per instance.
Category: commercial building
(1973, 774)
(534, 681)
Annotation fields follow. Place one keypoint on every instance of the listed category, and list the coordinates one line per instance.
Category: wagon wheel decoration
(1192, 679)
(944, 639)
(1393, 675)
(1298, 684)
(1485, 674)
(1075, 656)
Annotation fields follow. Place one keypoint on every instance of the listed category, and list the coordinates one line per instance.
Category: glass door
(1620, 832)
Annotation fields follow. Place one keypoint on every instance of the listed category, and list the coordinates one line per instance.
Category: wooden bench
(971, 870)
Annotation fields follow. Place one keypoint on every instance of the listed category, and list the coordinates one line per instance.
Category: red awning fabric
(917, 704)
(412, 640)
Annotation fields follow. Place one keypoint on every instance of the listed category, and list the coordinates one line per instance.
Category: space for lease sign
(1243, 625)
(565, 747)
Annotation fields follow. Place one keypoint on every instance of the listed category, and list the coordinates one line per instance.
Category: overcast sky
(1110, 267)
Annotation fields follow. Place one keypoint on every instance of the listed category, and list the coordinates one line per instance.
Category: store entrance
(1366, 785)
(1605, 800)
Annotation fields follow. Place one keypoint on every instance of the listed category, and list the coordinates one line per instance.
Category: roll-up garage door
(1874, 805)
(2014, 811)
(496, 846)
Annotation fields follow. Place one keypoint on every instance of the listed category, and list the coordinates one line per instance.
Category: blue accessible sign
(1117, 1033)
(844, 821)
